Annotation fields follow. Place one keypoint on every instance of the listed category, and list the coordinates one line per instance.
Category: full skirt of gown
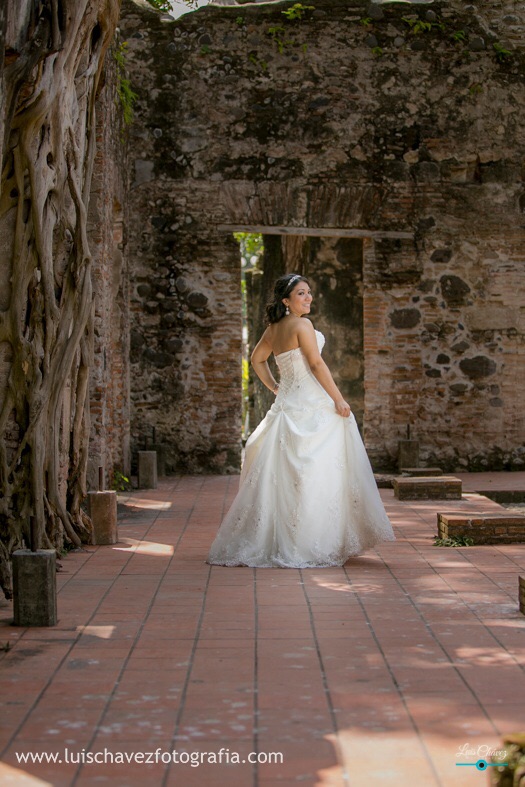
(307, 494)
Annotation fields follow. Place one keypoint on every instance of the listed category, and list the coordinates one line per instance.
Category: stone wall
(109, 446)
(401, 126)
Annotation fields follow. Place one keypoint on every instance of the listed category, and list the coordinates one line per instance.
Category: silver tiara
(297, 276)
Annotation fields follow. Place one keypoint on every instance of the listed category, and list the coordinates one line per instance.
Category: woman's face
(299, 300)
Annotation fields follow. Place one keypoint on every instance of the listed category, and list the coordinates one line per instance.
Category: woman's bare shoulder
(305, 327)
(269, 333)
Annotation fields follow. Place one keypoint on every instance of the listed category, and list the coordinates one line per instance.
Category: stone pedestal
(522, 594)
(160, 450)
(103, 513)
(408, 454)
(483, 528)
(430, 488)
(147, 470)
(34, 587)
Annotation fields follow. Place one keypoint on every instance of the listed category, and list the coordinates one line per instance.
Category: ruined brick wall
(403, 123)
(109, 446)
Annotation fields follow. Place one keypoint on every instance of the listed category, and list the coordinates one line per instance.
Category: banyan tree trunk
(52, 71)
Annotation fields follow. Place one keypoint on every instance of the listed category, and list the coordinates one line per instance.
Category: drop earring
(287, 312)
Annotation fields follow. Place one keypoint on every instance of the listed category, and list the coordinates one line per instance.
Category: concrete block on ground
(521, 588)
(160, 450)
(408, 454)
(147, 478)
(34, 587)
(103, 513)
(445, 487)
(416, 472)
(482, 528)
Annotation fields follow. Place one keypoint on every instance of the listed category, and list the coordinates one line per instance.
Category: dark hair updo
(284, 285)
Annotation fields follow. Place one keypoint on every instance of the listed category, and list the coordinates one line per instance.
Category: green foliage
(252, 57)
(245, 380)
(161, 5)
(297, 11)
(251, 244)
(457, 541)
(366, 21)
(120, 482)
(459, 35)
(276, 32)
(419, 26)
(125, 94)
(239, 20)
(511, 771)
(205, 49)
(502, 54)
(127, 98)
(120, 56)
(377, 50)
(475, 89)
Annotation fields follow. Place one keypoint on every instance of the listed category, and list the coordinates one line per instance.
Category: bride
(307, 495)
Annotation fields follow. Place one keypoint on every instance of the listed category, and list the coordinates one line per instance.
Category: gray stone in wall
(441, 255)
(477, 44)
(405, 318)
(197, 300)
(158, 359)
(454, 290)
(458, 388)
(478, 367)
(173, 345)
(460, 347)
(143, 171)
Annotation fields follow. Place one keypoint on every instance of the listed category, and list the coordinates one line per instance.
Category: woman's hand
(342, 408)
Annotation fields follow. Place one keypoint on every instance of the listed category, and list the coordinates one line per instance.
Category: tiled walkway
(382, 673)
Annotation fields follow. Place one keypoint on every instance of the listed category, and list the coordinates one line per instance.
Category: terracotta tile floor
(377, 673)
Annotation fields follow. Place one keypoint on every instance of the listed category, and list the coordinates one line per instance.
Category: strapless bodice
(293, 366)
(320, 343)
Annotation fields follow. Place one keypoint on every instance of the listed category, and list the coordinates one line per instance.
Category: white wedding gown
(307, 495)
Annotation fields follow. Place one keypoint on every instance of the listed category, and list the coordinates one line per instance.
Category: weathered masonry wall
(401, 123)
(109, 445)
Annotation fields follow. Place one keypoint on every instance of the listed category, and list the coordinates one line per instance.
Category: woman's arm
(259, 359)
(308, 344)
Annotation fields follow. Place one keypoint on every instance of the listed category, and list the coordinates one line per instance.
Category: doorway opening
(251, 248)
(333, 263)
